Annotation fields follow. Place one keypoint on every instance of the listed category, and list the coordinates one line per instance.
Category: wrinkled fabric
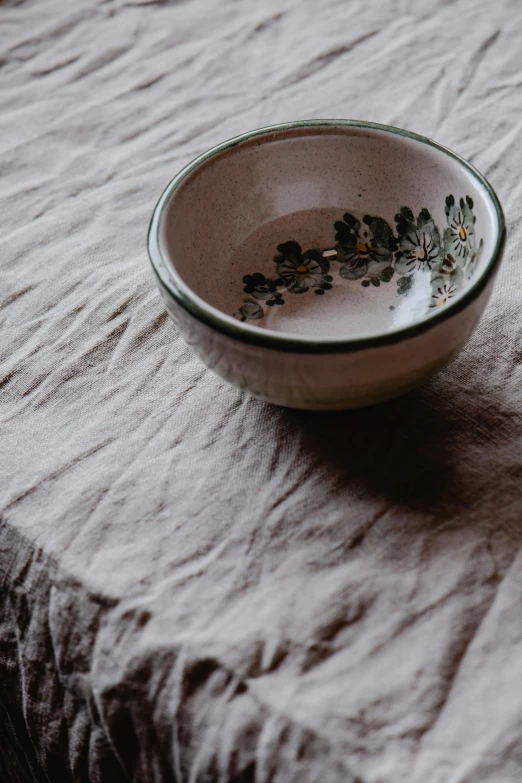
(194, 585)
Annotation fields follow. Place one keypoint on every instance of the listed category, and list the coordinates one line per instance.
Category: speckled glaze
(400, 236)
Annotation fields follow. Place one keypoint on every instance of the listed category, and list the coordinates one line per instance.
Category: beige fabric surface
(196, 586)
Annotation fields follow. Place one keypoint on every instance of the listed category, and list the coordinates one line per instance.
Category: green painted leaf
(351, 221)
(404, 284)
(353, 271)
(250, 310)
(424, 217)
(404, 220)
(290, 248)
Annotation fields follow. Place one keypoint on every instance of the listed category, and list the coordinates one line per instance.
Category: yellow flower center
(462, 234)
(301, 269)
(361, 248)
(421, 254)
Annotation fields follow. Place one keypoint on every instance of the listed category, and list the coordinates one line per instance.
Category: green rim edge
(281, 341)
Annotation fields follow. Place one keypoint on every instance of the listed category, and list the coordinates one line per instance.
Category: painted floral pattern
(300, 271)
(443, 294)
(460, 233)
(419, 241)
(363, 247)
(368, 250)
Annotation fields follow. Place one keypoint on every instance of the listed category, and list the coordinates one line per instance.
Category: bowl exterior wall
(329, 381)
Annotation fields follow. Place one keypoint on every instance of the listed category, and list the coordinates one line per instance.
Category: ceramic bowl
(327, 264)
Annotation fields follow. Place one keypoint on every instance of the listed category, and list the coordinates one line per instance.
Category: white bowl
(327, 264)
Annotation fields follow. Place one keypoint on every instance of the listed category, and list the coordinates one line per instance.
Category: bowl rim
(216, 319)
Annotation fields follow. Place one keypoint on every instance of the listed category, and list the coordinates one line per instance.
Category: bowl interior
(329, 231)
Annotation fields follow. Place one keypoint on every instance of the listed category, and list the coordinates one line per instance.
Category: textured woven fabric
(196, 586)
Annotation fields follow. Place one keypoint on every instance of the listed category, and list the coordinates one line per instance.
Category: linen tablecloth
(194, 585)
